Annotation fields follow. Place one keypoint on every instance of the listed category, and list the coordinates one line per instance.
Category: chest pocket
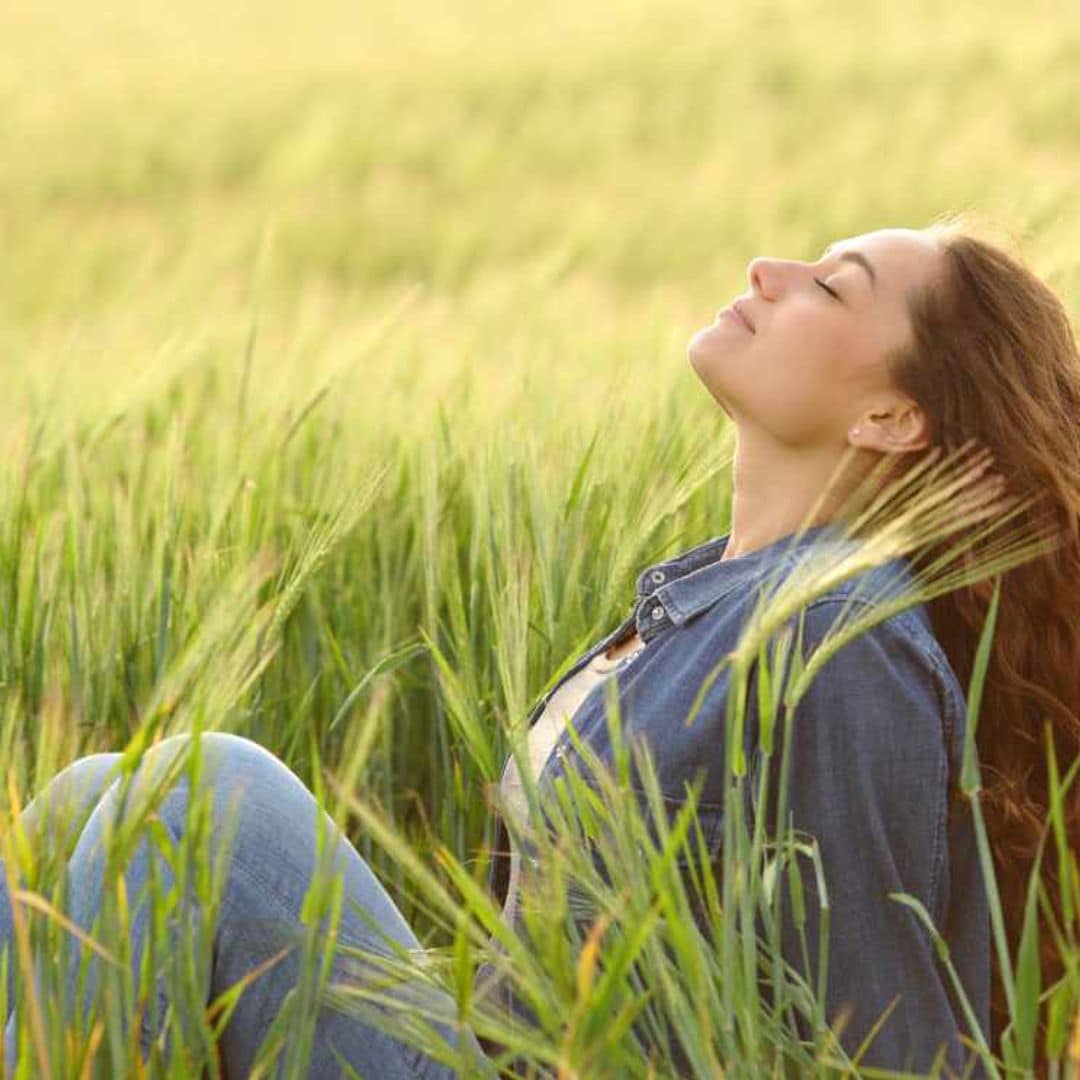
(674, 824)
(678, 816)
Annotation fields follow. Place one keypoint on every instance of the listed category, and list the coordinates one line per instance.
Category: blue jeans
(271, 861)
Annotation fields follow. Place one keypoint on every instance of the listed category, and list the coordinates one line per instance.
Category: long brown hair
(994, 358)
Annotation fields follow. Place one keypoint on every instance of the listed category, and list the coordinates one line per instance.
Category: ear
(900, 427)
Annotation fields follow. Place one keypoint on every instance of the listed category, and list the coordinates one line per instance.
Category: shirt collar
(697, 578)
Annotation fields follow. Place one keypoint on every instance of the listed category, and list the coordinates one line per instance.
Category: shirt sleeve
(868, 775)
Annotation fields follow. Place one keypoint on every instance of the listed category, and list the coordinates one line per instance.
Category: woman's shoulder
(883, 601)
(824, 576)
(885, 597)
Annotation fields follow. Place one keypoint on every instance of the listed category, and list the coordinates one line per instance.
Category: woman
(917, 338)
(890, 344)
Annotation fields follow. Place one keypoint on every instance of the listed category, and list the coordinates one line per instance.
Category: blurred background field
(397, 297)
(572, 188)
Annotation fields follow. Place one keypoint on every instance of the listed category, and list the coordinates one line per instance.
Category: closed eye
(832, 292)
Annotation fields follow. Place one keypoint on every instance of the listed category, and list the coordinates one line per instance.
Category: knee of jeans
(60, 808)
(219, 746)
(86, 773)
(75, 786)
(240, 755)
(229, 761)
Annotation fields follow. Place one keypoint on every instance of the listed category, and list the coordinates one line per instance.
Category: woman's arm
(868, 777)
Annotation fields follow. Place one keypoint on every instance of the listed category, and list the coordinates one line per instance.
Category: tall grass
(663, 978)
(345, 397)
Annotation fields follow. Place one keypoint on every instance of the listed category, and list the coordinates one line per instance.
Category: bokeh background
(373, 316)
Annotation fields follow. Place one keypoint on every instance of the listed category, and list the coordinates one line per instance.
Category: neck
(775, 493)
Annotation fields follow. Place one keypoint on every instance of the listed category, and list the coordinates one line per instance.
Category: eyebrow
(856, 257)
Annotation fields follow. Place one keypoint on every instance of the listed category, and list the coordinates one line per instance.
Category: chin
(714, 341)
(703, 354)
(697, 350)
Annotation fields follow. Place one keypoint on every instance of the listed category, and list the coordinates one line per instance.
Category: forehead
(902, 258)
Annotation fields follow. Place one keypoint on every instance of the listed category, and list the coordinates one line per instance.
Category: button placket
(651, 617)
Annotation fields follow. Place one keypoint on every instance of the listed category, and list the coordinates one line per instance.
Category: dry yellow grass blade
(39, 903)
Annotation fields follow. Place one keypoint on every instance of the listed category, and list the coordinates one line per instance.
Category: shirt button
(657, 576)
(658, 612)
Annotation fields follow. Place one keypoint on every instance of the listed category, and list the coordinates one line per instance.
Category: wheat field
(344, 357)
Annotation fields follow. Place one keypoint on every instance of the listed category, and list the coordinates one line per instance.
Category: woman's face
(814, 362)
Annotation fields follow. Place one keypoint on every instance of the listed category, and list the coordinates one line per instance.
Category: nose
(768, 277)
(759, 273)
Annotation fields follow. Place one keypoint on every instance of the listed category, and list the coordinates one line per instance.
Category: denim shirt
(876, 749)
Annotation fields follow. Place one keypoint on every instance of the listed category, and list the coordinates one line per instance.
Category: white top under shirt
(541, 739)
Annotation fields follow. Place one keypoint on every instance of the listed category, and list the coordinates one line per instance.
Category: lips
(741, 312)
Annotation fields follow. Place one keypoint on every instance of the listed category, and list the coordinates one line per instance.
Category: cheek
(800, 401)
(799, 383)
(805, 330)
(812, 349)
(792, 379)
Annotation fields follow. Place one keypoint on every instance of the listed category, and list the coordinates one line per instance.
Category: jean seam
(937, 862)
